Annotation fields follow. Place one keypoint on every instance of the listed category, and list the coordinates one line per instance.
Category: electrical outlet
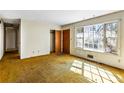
(33, 52)
(119, 61)
(38, 51)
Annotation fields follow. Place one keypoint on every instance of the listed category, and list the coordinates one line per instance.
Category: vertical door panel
(66, 41)
(58, 42)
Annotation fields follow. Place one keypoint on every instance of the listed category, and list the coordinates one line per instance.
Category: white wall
(1, 40)
(110, 59)
(35, 38)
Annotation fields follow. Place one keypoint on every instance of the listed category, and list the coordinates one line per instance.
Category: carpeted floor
(56, 69)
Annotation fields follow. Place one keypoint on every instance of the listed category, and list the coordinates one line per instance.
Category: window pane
(79, 37)
(98, 37)
(93, 37)
(88, 36)
(111, 37)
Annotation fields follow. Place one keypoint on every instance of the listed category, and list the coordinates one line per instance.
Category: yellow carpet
(56, 69)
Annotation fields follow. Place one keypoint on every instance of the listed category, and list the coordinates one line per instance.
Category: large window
(93, 37)
(98, 37)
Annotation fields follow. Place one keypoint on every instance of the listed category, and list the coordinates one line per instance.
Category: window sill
(97, 51)
(93, 50)
(79, 48)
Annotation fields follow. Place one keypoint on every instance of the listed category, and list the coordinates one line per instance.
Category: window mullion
(93, 37)
(104, 38)
(83, 38)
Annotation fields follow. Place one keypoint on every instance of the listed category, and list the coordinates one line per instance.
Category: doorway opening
(60, 41)
(12, 36)
(52, 41)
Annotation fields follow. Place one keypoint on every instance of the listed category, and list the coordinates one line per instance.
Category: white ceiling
(59, 17)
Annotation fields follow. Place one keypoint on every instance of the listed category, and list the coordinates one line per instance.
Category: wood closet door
(58, 42)
(66, 41)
